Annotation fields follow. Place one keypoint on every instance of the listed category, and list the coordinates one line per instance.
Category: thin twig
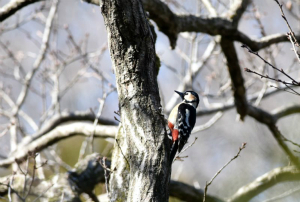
(39, 59)
(33, 175)
(209, 183)
(25, 174)
(267, 77)
(9, 188)
(284, 89)
(285, 194)
(279, 70)
(289, 35)
(283, 16)
(43, 193)
(295, 92)
(106, 175)
(290, 141)
(59, 160)
(177, 156)
(101, 105)
(90, 140)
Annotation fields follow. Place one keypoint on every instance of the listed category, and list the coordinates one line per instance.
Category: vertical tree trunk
(140, 158)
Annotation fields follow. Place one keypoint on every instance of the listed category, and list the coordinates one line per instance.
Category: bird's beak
(180, 94)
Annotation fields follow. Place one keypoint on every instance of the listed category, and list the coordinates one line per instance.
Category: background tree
(50, 56)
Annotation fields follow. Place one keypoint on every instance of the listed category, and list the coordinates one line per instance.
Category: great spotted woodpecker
(182, 120)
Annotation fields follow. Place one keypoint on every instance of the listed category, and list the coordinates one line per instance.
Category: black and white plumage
(186, 122)
(182, 120)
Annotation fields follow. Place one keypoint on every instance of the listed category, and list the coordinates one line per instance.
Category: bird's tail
(173, 151)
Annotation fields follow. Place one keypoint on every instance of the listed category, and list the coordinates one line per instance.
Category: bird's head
(189, 97)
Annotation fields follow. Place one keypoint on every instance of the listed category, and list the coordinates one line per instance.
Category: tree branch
(168, 23)
(236, 11)
(188, 193)
(65, 117)
(210, 8)
(219, 171)
(40, 57)
(237, 79)
(264, 182)
(284, 111)
(55, 135)
(266, 41)
(195, 69)
(230, 105)
(13, 6)
(269, 120)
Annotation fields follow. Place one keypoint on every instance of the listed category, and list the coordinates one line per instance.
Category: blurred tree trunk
(140, 157)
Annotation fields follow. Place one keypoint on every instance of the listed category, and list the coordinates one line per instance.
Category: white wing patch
(187, 116)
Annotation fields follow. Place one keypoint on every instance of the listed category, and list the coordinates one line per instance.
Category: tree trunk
(141, 155)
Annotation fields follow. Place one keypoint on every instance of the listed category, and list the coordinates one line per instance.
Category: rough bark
(145, 146)
(120, 165)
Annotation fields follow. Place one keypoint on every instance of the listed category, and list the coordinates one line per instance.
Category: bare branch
(283, 195)
(67, 117)
(171, 29)
(236, 10)
(209, 123)
(177, 157)
(11, 103)
(55, 135)
(195, 69)
(172, 24)
(266, 181)
(269, 120)
(39, 59)
(212, 179)
(13, 6)
(258, 44)
(210, 8)
(106, 175)
(270, 78)
(90, 139)
(294, 82)
(289, 35)
(187, 192)
(290, 141)
(294, 41)
(237, 80)
(229, 105)
(284, 111)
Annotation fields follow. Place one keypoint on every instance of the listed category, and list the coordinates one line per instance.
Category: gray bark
(140, 159)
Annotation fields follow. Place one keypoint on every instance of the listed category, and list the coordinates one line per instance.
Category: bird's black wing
(186, 122)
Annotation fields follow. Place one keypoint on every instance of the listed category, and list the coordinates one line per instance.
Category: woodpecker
(182, 120)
